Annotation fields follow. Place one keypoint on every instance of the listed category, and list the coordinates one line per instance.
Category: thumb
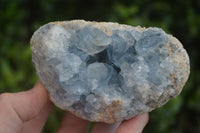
(16, 108)
(28, 104)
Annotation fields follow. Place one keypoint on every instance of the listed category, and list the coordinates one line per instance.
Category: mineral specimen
(106, 71)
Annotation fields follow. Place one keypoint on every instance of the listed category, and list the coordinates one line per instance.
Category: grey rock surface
(108, 72)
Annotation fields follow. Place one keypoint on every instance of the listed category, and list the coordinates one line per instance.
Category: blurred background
(181, 18)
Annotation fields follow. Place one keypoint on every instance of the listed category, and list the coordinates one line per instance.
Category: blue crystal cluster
(108, 72)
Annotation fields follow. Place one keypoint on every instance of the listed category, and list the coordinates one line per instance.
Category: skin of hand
(27, 112)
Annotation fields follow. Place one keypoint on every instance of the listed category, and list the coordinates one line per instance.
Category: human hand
(27, 112)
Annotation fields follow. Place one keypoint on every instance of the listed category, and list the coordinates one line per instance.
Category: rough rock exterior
(106, 71)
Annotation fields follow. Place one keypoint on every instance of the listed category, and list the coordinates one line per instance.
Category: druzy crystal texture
(108, 72)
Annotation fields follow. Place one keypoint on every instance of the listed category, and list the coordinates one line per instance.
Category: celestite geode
(106, 71)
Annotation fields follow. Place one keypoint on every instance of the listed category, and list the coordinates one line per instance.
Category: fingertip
(39, 86)
(100, 127)
(70, 121)
(145, 118)
(39, 92)
(135, 124)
